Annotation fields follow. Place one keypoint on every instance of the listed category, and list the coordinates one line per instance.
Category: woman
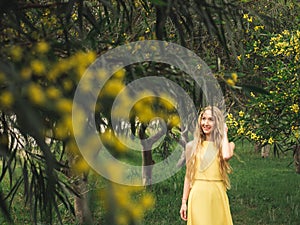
(206, 178)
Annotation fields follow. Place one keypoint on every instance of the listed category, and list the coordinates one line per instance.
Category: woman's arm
(185, 195)
(227, 147)
(186, 186)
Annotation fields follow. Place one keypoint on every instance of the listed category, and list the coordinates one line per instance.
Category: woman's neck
(208, 138)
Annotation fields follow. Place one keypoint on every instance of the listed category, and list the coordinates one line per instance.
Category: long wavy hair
(217, 137)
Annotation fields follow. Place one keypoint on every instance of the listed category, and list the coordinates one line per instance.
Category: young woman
(207, 168)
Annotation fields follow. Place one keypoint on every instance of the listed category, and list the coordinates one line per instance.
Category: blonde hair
(216, 136)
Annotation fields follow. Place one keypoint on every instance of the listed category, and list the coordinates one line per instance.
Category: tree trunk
(297, 158)
(148, 161)
(81, 203)
(257, 147)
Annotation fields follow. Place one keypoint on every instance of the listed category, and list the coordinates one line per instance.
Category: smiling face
(207, 123)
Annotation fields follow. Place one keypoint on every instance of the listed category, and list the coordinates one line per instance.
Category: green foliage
(271, 61)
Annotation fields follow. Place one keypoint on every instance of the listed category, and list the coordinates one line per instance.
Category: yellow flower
(230, 82)
(271, 140)
(112, 88)
(36, 94)
(122, 219)
(119, 74)
(119, 144)
(64, 105)
(167, 102)
(241, 113)
(234, 77)
(253, 136)
(245, 16)
(286, 32)
(175, 121)
(67, 85)
(53, 93)
(37, 66)
(81, 166)
(241, 130)
(61, 131)
(42, 47)
(256, 28)
(16, 53)
(90, 57)
(147, 201)
(6, 99)
(297, 134)
(295, 108)
(230, 116)
(137, 212)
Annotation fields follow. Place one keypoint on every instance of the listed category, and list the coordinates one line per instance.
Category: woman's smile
(207, 122)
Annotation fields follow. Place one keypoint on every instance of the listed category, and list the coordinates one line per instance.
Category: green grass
(264, 191)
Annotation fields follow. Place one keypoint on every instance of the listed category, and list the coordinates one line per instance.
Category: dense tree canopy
(251, 47)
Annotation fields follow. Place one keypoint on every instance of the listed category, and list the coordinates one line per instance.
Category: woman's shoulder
(189, 148)
(189, 145)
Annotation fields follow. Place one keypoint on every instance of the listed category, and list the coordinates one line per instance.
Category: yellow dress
(208, 201)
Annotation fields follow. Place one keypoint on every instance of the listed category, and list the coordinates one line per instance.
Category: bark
(257, 147)
(148, 161)
(265, 151)
(81, 203)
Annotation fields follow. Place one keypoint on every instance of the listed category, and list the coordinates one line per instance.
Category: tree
(271, 115)
(47, 46)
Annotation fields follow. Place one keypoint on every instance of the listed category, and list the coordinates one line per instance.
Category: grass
(264, 191)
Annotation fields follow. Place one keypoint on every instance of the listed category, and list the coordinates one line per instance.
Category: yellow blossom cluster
(295, 108)
(232, 80)
(113, 142)
(6, 99)
(248, 18)
(286, 44)
(129, 202)
(77, 63)
(240, 126)
(231, 121)
(257, 28)
(152, 106)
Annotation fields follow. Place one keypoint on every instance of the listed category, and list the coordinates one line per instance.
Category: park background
(253, 50)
